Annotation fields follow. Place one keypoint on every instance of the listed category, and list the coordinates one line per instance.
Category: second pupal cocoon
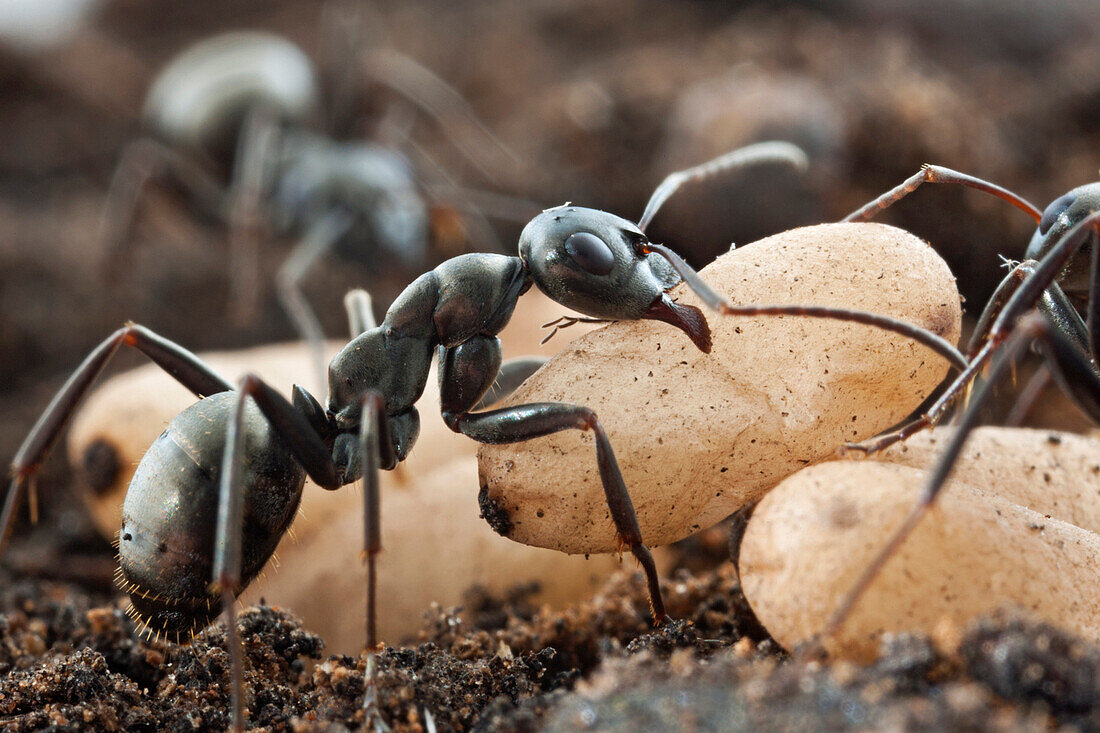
(999, 535)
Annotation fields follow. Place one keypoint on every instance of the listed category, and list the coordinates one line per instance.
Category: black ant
(1050, 301)
(246, 451)
(245, 103)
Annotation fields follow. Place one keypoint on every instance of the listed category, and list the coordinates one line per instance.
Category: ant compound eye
(590, 252)
(1056, 209)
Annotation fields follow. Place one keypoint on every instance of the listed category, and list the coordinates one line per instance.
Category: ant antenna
(775, 151)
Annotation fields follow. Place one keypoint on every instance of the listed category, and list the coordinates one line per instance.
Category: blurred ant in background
(232, 120)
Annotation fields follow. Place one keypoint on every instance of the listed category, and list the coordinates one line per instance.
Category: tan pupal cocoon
(976, 551)
(699, 435)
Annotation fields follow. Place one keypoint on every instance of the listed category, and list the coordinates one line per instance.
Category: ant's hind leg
(187, 369)
(939, 174)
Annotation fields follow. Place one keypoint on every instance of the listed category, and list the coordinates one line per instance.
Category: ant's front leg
(466, 373)
(184, 366)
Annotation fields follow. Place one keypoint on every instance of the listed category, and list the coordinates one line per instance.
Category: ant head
(1058, 218)
(596, 263)
(1062, 214)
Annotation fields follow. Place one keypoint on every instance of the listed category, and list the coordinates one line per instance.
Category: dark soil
(67, 663)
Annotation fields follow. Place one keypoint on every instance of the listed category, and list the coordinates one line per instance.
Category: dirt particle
(494, 513)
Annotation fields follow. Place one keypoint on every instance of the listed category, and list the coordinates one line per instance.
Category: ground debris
(67, 663)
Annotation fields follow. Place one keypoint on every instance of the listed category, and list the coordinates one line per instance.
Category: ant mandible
(1050, 300)
(247, 451)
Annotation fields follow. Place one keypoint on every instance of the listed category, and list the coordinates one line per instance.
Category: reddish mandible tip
(687, 318)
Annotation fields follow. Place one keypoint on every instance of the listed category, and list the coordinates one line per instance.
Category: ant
(1049, 301)
(242, 103)
(246, 451)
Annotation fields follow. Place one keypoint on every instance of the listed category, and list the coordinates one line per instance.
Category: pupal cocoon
(699, 435)
(1015, 526)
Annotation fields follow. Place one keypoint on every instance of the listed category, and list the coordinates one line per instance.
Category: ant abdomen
(166, 543)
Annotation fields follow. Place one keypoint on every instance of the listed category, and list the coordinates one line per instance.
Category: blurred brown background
(598, 101)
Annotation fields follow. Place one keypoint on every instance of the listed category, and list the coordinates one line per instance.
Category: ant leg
(1070, 366)
(938, 174)
(1092, 309)
(717, 303)
(187, 369)
(322, 235)
(227, 552)
(990, 314)
(523, 422)
(360, 311)
(1046, 273)
(1066, 352)
(738, 523)
(374, 438)
(251, 177)
(308, 447)
(992, 311)
(141, 162)
(767, 152)
(1038, 288)
(466, 373)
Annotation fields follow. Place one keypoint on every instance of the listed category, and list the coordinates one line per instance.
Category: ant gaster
(247, 451)
(1050, 301)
